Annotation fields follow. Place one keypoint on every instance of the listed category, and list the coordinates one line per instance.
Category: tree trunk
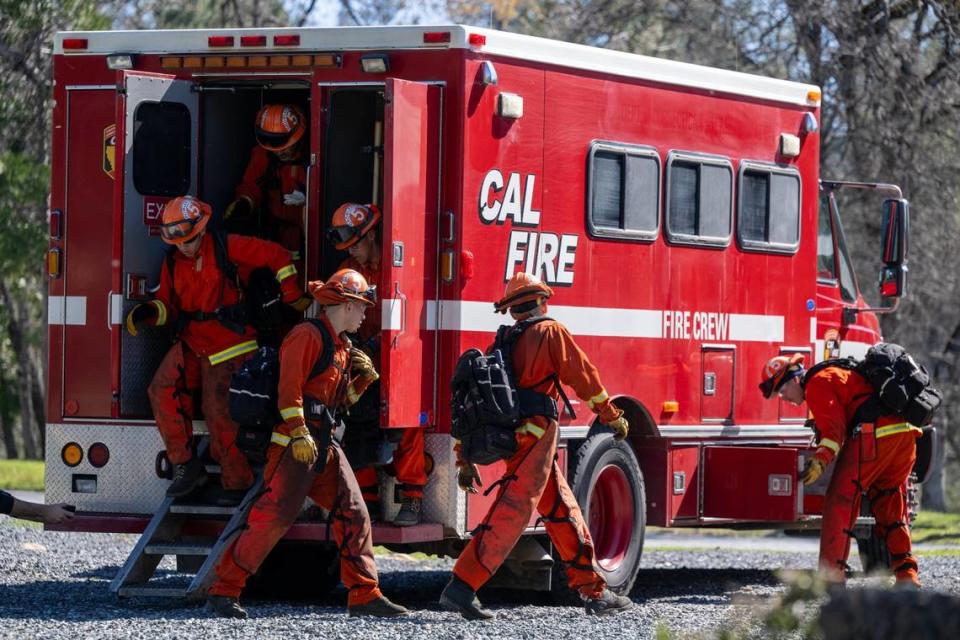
(38, 402)
(9, 441)
(15, 331)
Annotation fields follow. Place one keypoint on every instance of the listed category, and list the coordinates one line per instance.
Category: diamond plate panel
(126, 484)
(443, 501)
(141, 355)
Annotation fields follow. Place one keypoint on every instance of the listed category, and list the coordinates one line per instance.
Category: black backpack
(487, 405)
(901, 385)
(253, 392)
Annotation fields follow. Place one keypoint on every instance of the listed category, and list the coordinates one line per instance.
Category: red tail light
(436, 37)
(74, 44)
(98, 454)
(286, 40)
(478, 39)
(253, 41)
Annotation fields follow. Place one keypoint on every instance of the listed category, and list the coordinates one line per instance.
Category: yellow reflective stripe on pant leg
(830, 444)
(161, 313)
(291, 412)
(233, 352)
(286, 272)
(280, 439)
(597, 399)
(893, 429)
(529, 427)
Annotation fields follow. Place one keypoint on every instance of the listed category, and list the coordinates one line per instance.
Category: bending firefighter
(304, 460)
(200, 293)
(274, 182)
(543, 355)
(871, 458)
(354, 228)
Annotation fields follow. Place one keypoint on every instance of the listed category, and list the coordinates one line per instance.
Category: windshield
(844, 266)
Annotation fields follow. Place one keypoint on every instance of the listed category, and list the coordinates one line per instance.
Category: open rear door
(157, 150)
(409, 263)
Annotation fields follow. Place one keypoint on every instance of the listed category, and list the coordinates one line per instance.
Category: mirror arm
(850, 313)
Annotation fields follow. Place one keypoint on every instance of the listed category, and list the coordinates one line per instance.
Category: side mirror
(894, 231)
(893, 280)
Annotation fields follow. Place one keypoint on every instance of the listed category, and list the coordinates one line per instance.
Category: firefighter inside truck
(256, 162)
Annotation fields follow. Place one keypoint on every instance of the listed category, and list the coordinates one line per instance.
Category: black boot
(607, 602)
(409, 513)
(187, 478)
(458, 596)
(379, 608)
(226, 607)
(373, 509)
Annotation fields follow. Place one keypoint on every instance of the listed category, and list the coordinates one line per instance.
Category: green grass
(936, 528)
(24, 475)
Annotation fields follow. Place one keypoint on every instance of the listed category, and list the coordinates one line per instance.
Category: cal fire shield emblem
(109, 150)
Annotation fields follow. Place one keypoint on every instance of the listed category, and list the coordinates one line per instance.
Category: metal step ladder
(164, 537)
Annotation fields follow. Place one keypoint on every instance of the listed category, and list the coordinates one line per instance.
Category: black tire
(281, 576)
(874, 555)
(618, 542)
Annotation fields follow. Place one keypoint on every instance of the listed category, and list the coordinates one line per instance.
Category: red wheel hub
(611, 517)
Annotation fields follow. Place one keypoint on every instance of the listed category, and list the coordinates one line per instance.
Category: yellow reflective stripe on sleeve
(161, 312)
(286, 272)
(291, 412)
(352, 395)
(830, 444)
(233, 352)
(529, 427)
(597, 399)
(893, 429)
(280, 439)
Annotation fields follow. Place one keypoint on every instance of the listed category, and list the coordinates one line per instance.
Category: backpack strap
(507, 337)
(326, 356)
(850, 364)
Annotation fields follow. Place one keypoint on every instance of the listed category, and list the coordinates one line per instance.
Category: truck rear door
(409, 263)
(157, 151)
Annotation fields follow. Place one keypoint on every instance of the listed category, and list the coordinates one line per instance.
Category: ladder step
(202, 509)
(178, 549)
(154, 592)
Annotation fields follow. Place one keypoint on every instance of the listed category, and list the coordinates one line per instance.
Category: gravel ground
(55, 585)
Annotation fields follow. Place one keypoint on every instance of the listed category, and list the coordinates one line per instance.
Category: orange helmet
(351, 222)
(183, 219)
(522, 289)
(279, 126)
(778, 371)
(343, 286)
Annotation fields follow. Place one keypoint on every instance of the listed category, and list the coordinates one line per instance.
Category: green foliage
(23, 475)
(23, 191)
(936, 527)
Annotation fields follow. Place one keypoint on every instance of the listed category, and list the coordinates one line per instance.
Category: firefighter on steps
(544, 354)
(871, 459)
(304, 460)
(354, 227)
(213, 338)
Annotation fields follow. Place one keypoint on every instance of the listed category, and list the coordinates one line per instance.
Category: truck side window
(699, 199)
(826, 255)
(768, 214)
(161, 149)
(623, 192)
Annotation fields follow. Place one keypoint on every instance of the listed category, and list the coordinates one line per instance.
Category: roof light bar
(253, 41)
(286, 40)
(74, 44)
(477, 39)
(436, 37)
(220, 41)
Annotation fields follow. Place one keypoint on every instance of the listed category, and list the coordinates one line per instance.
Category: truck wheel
(608, 485)
(874, 555)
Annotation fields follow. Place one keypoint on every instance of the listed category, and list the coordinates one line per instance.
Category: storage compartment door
(750, 483)
(409, 263)
(716, 400)
(158, 146)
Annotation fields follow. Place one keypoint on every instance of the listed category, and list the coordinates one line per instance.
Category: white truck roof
(497, 43)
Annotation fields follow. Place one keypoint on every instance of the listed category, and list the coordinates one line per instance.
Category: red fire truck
(677, 211)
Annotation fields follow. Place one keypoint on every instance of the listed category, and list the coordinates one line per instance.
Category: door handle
(403, 312)
(110, 310)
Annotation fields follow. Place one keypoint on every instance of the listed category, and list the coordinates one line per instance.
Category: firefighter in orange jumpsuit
(275, 179)
(544, 353)
(305, 460)
(214, 339)
(354, 228)
(872, 459)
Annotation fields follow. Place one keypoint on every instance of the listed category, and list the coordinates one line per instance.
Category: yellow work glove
(302, 304)
(140, 314)
(620, 428)
(241, 207)
(362, 364)
(302, 446)
(812, 471)
(468, 475)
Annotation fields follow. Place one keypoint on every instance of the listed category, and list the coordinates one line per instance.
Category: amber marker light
(71, 454)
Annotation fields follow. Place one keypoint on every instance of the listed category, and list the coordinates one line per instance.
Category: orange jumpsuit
(288, 482)
(207, 352)
(533, 478)
(408, 458)
(265, 181)
(878, 468)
